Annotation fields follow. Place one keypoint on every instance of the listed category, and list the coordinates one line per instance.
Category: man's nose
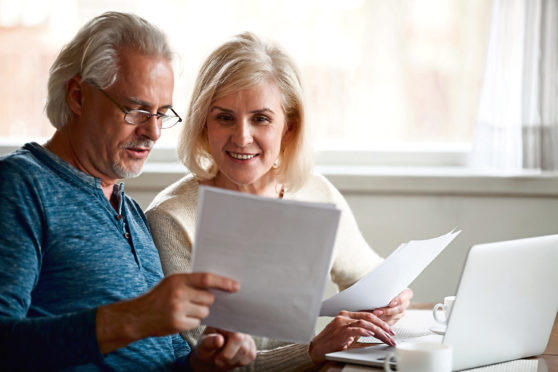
(151, 128)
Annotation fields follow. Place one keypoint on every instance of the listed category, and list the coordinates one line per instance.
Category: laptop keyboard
(401, 334)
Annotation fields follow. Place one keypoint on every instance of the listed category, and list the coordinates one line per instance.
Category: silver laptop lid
(506, 302)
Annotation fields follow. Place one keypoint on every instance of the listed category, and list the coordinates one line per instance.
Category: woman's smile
(239, 156)
(245, 132)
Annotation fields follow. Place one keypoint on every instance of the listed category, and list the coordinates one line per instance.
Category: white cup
(421, 357)
(446, 308)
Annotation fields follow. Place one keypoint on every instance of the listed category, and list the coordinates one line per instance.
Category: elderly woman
(245, 131)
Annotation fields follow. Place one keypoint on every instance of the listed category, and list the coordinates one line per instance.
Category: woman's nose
(242, 135)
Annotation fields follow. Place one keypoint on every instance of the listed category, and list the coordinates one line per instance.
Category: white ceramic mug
(421, 357)
(446, 308)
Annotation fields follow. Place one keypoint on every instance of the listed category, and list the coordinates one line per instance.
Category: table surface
(550, 355)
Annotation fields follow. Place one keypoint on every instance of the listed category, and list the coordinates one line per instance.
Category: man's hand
(177, 303)
(219, 350)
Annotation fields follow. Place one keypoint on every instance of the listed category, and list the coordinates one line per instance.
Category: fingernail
(370, 333)
(392, 332)
(394, 303)
(378, 312)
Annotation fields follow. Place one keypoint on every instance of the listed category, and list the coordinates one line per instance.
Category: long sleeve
(48, 343)
(42, 342)
(286, 358)
(353, 257)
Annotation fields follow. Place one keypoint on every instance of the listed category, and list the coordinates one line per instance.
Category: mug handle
(435, 310)
(387, 366)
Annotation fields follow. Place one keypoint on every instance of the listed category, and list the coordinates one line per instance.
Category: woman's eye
(261, 119)
(223, 117)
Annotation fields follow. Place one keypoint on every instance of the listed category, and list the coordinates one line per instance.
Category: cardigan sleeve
(172, 241)
(353, 258)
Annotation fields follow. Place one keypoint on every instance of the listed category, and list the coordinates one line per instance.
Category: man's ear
(74, 95)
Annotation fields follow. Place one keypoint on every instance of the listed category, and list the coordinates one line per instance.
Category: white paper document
(278, 250)
(387, 280)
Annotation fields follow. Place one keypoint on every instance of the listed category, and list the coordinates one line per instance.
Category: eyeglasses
(137, 117)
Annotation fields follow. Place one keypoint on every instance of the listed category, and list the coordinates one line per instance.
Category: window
(377, 74)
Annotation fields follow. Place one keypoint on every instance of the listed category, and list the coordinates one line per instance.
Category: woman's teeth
(241, 156)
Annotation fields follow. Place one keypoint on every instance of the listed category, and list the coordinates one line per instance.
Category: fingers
(344, 329)
(225, 349)
(363, 329)
(370, 320)
(200, 297)
(230, 350)
(388, 312)
(402, 298)
(396, 308)
(233, 352)
(408, 292)
(371, 324)
(207, 347)
(210, 281)
(210, 343)
(209, 330)
(179, 302)
(196, 311)
(390, 315)
(179, 290)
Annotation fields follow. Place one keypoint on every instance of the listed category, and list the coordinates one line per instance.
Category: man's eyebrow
(139, 102)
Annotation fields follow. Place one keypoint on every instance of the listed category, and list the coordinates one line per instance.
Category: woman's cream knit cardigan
(172, 218)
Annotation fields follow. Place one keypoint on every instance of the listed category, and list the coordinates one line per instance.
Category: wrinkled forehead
(145, 75)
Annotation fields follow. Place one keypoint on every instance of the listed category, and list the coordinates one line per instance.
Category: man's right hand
(177, 303)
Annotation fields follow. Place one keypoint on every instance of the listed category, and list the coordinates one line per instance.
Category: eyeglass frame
(147, 113)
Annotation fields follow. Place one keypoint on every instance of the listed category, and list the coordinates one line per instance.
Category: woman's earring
(276, 164)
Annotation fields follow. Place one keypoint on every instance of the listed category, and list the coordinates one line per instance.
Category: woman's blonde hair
(238, 64)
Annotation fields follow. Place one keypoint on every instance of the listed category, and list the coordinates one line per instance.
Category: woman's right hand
(344, 329)
(219, 350)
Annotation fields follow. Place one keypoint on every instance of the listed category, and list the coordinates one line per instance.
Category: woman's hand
(219, 350)
(395, 310)
(344, 329)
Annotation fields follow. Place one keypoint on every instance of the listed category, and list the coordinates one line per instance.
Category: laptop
(505, 306)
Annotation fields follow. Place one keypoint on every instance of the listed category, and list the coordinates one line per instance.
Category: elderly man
(81, 285)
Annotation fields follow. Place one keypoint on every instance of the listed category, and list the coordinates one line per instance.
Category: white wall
(393, 206)
(482, 219)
